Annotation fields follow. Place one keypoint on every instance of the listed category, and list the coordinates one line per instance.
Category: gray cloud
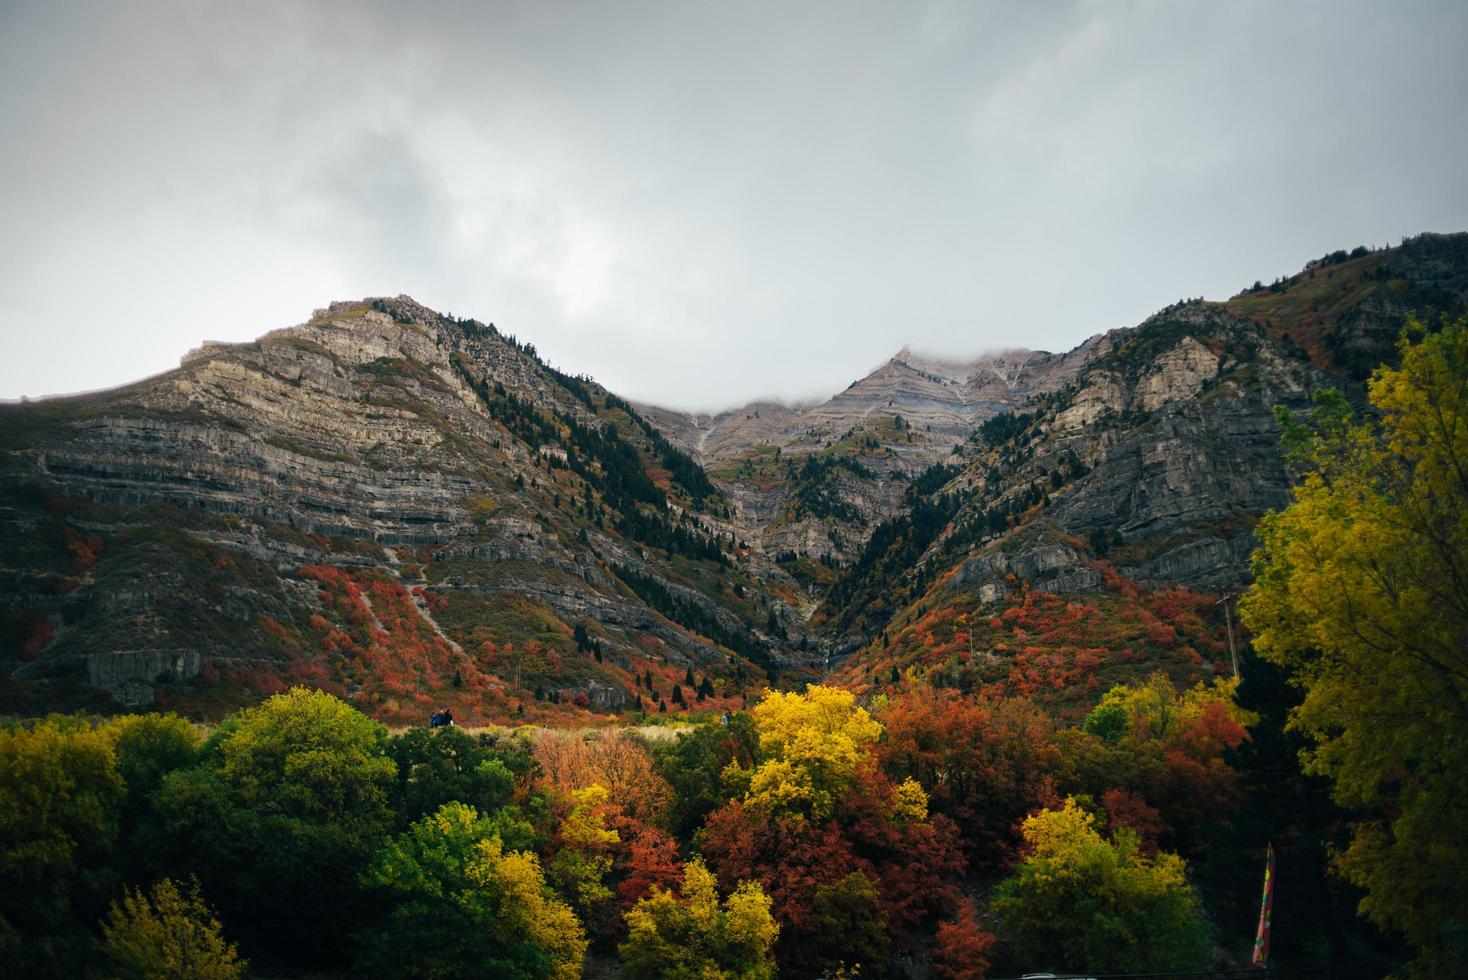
(697, 203)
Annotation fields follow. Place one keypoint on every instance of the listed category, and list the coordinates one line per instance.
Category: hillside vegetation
(1003, 719)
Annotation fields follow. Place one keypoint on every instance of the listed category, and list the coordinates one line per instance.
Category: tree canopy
(1080, 901)
(1361, 592)
(814, 744)
(460, 905)
(695, 937)
(168, 933)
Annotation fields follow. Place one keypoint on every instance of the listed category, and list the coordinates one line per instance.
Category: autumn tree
(816, 808)
(60, 802)
(621, 762)
(985, 765)
(457, 904)
(963, 945)
(813, 744)
(648, 858)
(1079, 901)
(168, 934)
(1159, 756)
(693, 935)
(583, 852)
(1361, 592)
(615, 760)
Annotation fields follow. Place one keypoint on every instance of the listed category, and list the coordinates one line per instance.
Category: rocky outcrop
(129, 675)
(1049, 566)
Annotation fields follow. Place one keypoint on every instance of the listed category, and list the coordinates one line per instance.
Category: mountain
(413, 511)
(1095, 533)
(810, 482)
(409, 509)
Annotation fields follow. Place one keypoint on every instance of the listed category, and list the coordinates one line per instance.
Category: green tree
(60, 804)
(584, 852)
(1361, 592)
(286, 807)
(694, 765)
(168, 934)
(447, 765)
(459, 905)
(306, 754)
(1082, 902)
(147, 748)
(848, 926)
(694, 938)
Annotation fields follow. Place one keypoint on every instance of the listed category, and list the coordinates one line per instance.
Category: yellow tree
(1361, 591)
(583, 856)
(1082, 902)
(168, 934)
(814, 744)
(692, 938)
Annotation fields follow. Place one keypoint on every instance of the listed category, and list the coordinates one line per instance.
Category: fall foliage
(1079, 898)
(1361, 592)
(694, 934)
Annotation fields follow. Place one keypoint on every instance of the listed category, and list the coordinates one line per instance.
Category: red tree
(963, 946)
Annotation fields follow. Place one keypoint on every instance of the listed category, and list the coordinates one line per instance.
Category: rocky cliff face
(245, 519)
(809, 482)
(1149, 466)
(1158, 456)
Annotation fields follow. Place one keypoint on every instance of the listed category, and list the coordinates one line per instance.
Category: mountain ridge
(414, 510)
(379, 450)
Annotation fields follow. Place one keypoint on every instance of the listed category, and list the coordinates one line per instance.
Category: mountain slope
(384, 501)
(1133, 488)
(413, 511)
(810, 482)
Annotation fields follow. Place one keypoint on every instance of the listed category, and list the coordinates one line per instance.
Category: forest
(913, 829)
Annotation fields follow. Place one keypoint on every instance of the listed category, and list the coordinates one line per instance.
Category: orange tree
(840, 848)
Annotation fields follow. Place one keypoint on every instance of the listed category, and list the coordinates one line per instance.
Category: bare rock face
(1050, 566)
(1185, 456)
(812, 481)
(1178, 374)
(129, 675)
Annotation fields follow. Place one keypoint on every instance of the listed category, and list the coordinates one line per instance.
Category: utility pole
(1233, 653)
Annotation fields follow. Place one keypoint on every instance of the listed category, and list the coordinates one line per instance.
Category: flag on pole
(1266, 909)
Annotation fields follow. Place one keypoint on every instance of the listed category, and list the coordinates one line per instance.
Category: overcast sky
(697, 203)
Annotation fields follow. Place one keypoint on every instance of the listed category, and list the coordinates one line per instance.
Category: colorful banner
(1266, 909)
